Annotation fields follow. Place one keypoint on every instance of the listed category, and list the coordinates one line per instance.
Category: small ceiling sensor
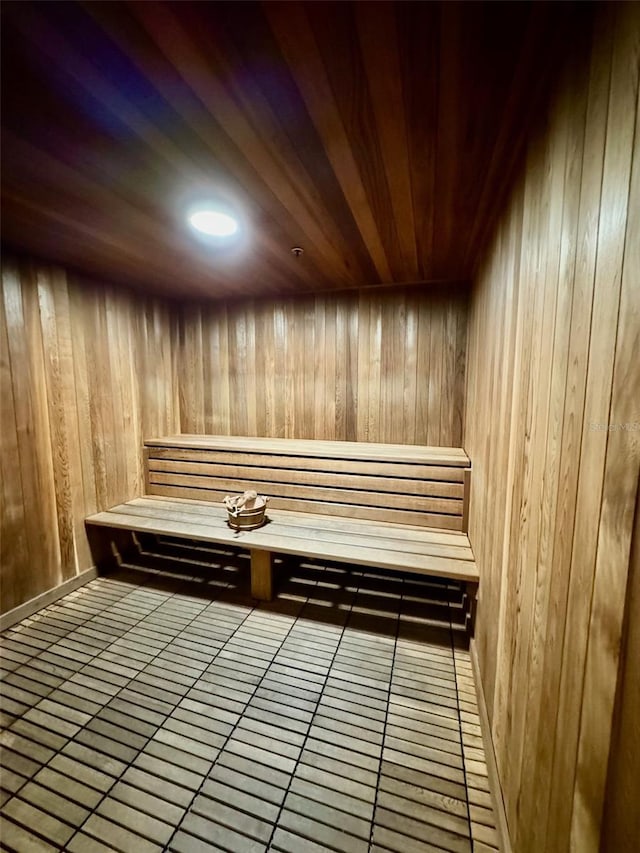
(297, 251)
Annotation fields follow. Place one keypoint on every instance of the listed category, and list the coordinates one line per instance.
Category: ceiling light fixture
(214, 223)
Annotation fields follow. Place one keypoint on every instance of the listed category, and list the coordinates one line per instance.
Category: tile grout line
(386, 713)
(181, 587)
(464, 762)
(168, 616)
(134, 625)
(84, 623)
(197, 793)
(276, 822)
(50, 610)
(129, 764)
(32, 658)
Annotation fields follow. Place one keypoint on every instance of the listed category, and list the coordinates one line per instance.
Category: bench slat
(427, 519)
(210, 467)
(407, 532)
(274, 540)
(329, 449)
(292, 527)
(440, 472)
(313, 494)
(294, 476)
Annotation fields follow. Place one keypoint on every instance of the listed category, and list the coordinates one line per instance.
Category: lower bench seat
(437, 553)
(388, 506)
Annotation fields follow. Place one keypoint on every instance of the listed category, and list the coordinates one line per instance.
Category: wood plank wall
(86, 372)
(553, 430)
(382, 366)
(621, 823)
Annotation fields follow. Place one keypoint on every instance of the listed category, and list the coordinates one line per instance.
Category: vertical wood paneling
(14, 551)
(385, 366)
(552, 416)
(616, 381)
(86, 372)
(374, 385)
(621, 823)
(319, 372)
(54, 310)
(410, 388)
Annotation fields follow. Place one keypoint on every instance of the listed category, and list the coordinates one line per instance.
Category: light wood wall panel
(382, 366)
(553, 431)
(86, 372)
(621, 824)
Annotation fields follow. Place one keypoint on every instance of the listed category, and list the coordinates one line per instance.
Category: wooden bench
(399, 507)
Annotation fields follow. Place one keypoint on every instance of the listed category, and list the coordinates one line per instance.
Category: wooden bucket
(246, 512)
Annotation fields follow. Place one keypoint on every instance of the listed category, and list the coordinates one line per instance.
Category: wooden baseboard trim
(492, 766)
(23, 611)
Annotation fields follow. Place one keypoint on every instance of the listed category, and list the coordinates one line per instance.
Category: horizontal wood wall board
(426, 519)
(329, 449)
(402, 486)
(448, 474)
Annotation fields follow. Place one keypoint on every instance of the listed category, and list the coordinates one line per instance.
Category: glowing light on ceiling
(214, 223)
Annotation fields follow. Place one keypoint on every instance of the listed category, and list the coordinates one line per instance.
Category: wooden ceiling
(378, 137)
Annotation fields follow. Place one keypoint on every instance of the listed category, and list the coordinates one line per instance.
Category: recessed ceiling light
(213, 223)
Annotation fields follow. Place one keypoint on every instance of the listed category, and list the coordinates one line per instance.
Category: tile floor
(157, 708)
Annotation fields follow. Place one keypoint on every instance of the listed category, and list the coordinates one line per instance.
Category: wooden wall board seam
(13, 544)
(588, 223)
(547, 362)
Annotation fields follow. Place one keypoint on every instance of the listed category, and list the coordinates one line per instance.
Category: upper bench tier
(407, 484)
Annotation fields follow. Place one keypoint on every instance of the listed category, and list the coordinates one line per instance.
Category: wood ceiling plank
(157, 144)
(418, 28)
(379, 136)
(276, 112)
(378, 40)
(449, 118)
(211, 78)
(295, 36)
(338, 43)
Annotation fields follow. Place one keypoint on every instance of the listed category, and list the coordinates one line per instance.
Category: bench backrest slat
(401, 483)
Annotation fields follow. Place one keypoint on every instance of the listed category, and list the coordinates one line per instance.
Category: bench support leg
(472, 595)
(108, 546)
(261, 575)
